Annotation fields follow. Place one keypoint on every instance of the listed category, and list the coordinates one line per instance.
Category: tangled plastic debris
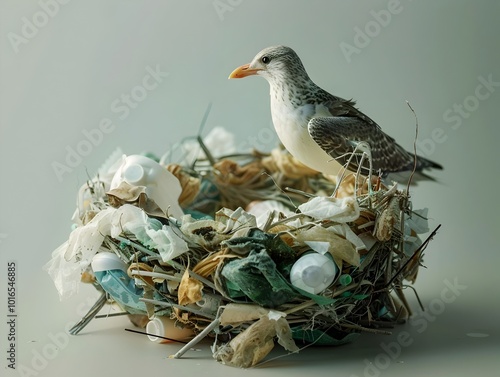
(226, 250)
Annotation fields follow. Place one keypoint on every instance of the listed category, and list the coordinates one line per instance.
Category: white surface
(70, 77)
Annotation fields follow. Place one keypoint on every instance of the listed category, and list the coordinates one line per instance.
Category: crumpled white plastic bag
(85, 241)
(75, 255)
(218, 141)
(168, 244)
(66, 276)
(341, 210)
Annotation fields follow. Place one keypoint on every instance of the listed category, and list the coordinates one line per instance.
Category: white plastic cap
(135, 175)
(313, 272)
(155, 328)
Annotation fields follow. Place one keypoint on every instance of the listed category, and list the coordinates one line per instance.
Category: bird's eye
(265, 59)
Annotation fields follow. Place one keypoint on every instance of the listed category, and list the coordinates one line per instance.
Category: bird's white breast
(291, 126)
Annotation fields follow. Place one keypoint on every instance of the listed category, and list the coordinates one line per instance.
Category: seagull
(323, 131)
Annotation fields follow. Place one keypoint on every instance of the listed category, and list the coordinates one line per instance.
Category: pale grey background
(64, 79)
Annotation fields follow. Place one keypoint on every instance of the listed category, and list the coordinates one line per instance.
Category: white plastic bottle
(165, 327)
(161, 185)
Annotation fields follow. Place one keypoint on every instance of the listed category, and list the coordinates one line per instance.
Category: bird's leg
(344, 169)
(365, 149)
(358, 173)
(340, 177)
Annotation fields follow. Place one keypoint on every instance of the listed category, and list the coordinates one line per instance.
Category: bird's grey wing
(388, 156)
(339, 136)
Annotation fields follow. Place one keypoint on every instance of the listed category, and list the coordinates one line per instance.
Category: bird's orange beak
(243, 71)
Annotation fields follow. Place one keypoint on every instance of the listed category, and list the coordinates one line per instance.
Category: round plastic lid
(313, 272)
(155, 327)
(134, 174)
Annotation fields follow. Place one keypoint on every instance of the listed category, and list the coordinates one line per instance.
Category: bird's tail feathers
(403, 177)
(425, 163)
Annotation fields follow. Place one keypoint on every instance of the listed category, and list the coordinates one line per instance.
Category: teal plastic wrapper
(257, 278)
(263, 275)
(282, 254)
(122, 289)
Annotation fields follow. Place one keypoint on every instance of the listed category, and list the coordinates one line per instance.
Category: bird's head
(274, 63)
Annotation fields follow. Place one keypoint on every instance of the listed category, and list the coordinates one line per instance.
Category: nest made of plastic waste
(228, 257)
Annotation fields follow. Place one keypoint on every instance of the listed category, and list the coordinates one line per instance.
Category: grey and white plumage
(319, 128)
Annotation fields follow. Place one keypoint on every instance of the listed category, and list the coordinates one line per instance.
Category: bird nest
(224, 268)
